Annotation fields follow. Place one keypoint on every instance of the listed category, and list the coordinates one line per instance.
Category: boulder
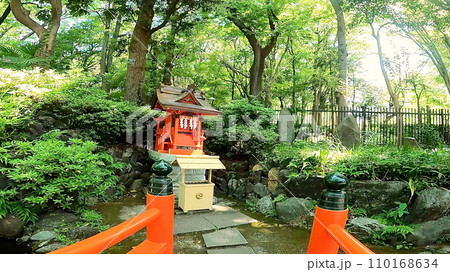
(283, 175)
(11, 226)
(349, 132)
(54, 219)
(286, 126)
(377, 196)
(293, 209)
(410, 142)
(84, 232)
(49, 248)
(222, 183)
(430, 204)
(305, 187)
(258, 168)
(363, 226)
(136, 186)
(249, 188)
(265, 205)
(43, 236)
(260, 190)
(255, 177)
(272, 186)
(429, 232)
(273, 174)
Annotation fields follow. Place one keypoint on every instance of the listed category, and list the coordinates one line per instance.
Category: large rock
(430, 204)
(377, 196)
(222, 183)
(54, 219)
(293, 209)
(265, 205)
(286, 126)
(363, 226)
(273, 174)
(49, 248)
(429, 232)
(305, 187)
(136, 186)
(11, 226)
(283, 175)
(43, 236)
(410, 142)
(348, 132)
(260, 190)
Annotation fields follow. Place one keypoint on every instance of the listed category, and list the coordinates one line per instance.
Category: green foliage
(243, 138)
(390, 163)
(89, 109)
(303, 157)
(357, 212)
(395, 228)
(51, 173)
(20, 93)
(18, 56)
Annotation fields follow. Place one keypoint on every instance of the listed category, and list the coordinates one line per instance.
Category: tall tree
(342, 54)
(47, 35)
(140, 41)
(373, 12)
(247, 24)
(426, 23)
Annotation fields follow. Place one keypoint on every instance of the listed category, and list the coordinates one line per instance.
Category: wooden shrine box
(197, 194)
(180, 131)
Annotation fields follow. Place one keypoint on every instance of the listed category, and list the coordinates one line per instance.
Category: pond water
(266, 236)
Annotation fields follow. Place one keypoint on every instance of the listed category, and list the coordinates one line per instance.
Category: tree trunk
(138, 52)
(256, 74)
(106, 36)
(393, 95)
(47, 37)
(168, 65)
(113, 46)
(5, 14)
(342, 57)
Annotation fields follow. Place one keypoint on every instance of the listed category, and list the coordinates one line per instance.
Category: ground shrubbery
(74, 99)
(238, 138)
(423, 167)
(50, 173)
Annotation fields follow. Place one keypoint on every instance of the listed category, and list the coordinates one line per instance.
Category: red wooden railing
(158, 218)
(328, 234)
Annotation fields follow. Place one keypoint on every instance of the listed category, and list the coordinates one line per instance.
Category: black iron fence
(377, 125)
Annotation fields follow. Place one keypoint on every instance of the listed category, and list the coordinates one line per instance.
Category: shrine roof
(174, 98)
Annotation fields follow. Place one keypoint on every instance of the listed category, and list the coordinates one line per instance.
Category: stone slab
(232, 250)
(191, 223)
(229, 219)
(225, 237)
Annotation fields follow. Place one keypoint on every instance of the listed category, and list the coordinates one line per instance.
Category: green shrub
(303, 157)
(20, 93)
(424, 167)
(89, 109)
(245, 141)
(395, 228)
(51, 173)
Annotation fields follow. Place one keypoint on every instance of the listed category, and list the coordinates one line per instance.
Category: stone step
(225, 237)
(232, 250)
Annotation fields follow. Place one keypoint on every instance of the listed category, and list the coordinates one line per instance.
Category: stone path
(224, 238)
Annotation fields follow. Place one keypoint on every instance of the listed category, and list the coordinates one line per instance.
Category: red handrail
(112, 236)
(346, 241)
(328, 234)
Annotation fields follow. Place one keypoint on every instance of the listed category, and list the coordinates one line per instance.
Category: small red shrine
(180, 131)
